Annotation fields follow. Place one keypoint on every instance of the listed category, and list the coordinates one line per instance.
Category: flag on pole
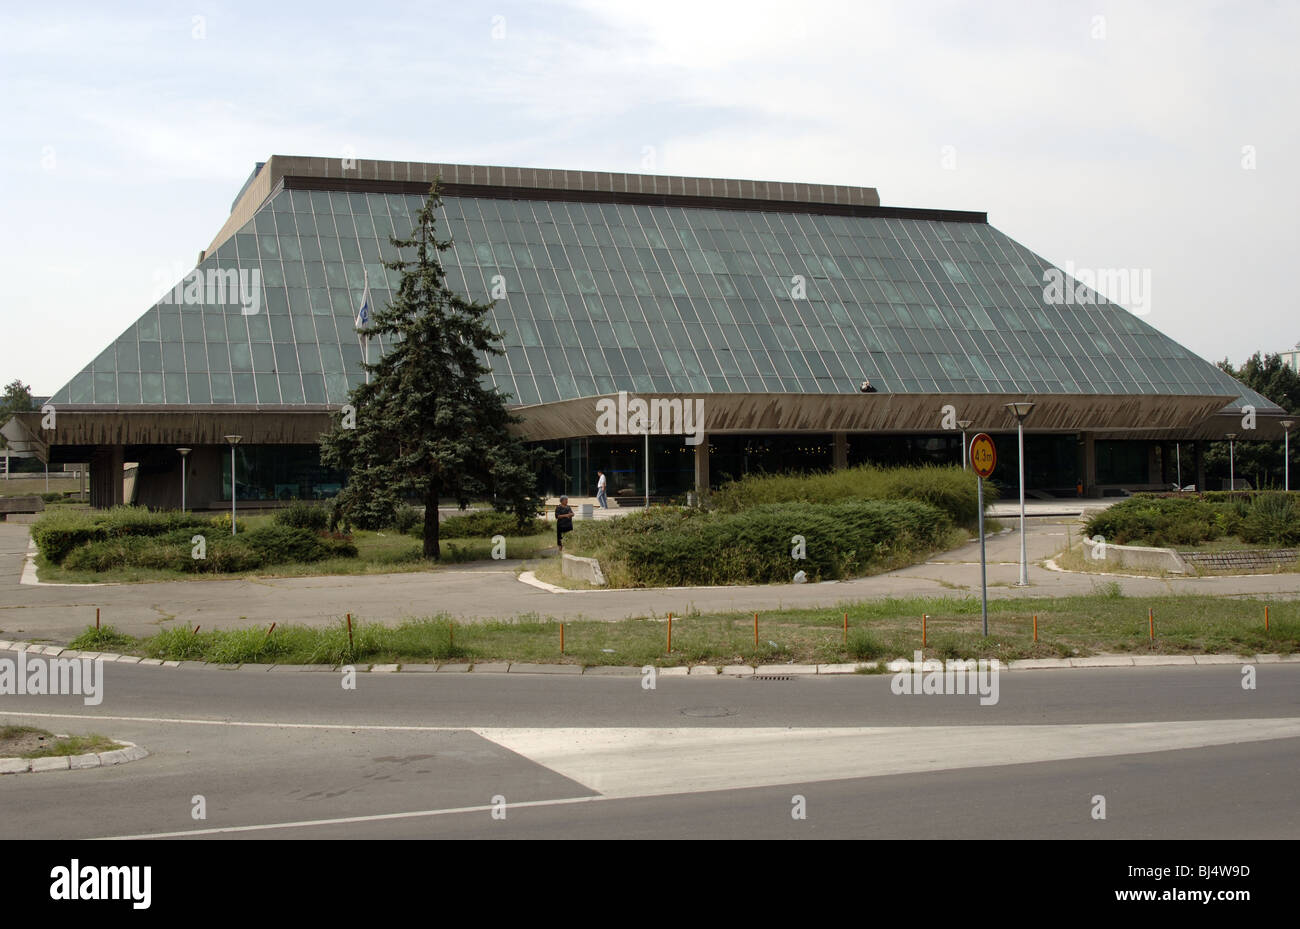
(363, 314)
(363, 320)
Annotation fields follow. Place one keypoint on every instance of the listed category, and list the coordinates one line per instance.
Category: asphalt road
(1175, 752)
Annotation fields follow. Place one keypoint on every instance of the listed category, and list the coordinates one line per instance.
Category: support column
(106, 477)
(1198, 449)
(702, 466)
(840, 458)
(1089, 464)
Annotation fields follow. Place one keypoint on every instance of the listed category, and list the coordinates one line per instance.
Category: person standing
(600, 491)
(563, 521)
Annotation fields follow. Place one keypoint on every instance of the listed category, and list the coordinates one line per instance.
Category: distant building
(1292, 358)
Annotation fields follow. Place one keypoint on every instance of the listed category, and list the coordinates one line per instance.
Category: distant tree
(428, 425)
(1259, 462)
(17, 398)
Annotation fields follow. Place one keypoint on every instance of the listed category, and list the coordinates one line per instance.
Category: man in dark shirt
(563, 521)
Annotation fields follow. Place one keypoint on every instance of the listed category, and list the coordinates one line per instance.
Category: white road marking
(237, 722)
(560, 801)
(632, 762)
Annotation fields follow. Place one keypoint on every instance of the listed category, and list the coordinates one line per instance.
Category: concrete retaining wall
(583, 569)
(1135, 556)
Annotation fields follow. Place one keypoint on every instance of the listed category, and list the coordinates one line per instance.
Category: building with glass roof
(809, 325)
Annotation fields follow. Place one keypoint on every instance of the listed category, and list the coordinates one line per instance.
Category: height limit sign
(983, 459)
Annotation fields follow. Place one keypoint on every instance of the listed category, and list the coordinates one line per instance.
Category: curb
(129, 752)
(705, 669)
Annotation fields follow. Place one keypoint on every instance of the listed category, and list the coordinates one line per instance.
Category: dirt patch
(16, 741)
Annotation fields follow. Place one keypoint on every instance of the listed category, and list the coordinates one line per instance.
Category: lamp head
(964, 424)
(184, 451)
(1020, 408)
(233, 439)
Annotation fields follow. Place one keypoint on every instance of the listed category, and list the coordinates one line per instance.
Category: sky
(1157, 137)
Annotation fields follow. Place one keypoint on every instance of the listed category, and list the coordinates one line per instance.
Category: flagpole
(363, 320)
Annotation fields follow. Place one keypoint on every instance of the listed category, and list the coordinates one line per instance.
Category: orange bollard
(756, 630)
(97, 616)
(1266, 617)
(269, 631)
(1151, 622)
(670, 632)
(561, 638)
(846, 628)
(349, 631)
(1035, 627)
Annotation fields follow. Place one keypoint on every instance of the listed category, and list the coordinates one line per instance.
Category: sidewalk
(491, 590)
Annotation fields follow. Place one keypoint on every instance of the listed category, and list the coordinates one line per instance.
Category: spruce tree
(427, 424)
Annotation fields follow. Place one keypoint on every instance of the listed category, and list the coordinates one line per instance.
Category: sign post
(983, 459)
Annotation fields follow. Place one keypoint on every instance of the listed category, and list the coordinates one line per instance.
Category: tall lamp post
(963, 425)
(1286, 453)
(1232, 474)
(184, 453)
(1020, 409)
(233, 440)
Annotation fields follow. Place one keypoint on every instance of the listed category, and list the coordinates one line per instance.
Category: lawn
(1100, 623)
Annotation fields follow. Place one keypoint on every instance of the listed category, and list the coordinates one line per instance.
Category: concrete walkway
(491, 591)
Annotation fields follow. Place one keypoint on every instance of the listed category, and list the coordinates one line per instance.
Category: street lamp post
(1232, 474)
(1020, 409)
(184, 452)
(1286, 453)
(233, 440)
(963, 424)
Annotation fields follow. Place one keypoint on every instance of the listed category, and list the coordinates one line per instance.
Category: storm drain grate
(773, 677)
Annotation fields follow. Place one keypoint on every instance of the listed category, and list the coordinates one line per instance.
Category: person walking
(563, 521)
(600, 491)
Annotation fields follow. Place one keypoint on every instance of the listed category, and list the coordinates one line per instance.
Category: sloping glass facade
(602, 297)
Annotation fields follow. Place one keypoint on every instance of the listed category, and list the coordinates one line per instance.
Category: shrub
(407, 518)
(51, 497)
(487, 523)
(277, 544)
(60, 531)
(685, 547)
(1272, 519)
(1161, 521)
(303, 515)
(949, 488)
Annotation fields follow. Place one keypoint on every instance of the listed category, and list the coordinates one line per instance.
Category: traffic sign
(983, 454)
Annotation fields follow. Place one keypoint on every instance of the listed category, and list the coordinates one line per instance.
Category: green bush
(949, 488)
(1161, 521)
(51, 497)
(407, 518)
(303, 515)
(1272, 519)
(487, 523)
(671, 547)
(1147, 519)
(223, 554)
(60, 531)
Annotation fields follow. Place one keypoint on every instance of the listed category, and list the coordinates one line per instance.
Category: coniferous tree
(428, 425)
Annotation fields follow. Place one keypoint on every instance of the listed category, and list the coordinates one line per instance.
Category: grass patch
(1105, 622)
(30, 742)
(103, 639)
